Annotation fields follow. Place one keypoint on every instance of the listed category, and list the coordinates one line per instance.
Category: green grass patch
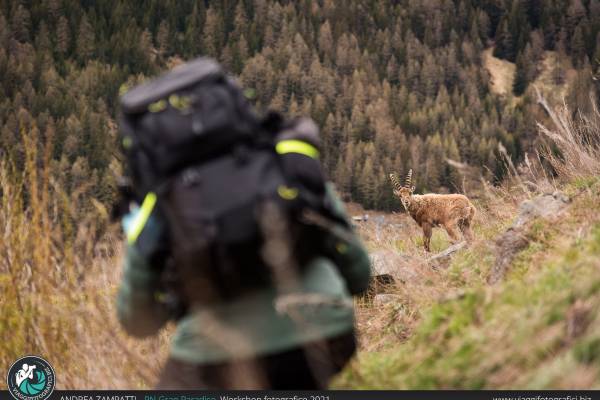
(503, 336)
(439, 240)
(587, 351)
(584, 182)
(470, 266)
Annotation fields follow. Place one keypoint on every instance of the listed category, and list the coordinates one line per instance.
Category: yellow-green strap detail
(297, 146)
(141, 218)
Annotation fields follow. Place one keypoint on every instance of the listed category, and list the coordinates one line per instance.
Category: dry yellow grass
(545, 81)
(539, 328)
(502, 73)
(58, 277)
(59, 273)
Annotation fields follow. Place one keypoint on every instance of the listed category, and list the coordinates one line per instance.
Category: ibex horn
(395, 181)
(408, 178)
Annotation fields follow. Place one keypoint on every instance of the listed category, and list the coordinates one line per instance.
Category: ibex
(453, 212)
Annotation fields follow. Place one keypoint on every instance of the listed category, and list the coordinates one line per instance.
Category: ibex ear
(412, 189)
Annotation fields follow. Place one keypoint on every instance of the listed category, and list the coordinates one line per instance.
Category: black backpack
(218, 174)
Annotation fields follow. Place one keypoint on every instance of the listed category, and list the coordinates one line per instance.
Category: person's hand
(128, 219)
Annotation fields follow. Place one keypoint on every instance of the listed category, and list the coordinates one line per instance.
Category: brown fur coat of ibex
(453, 212)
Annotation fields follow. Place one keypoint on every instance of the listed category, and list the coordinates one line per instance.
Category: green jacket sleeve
(346, 250)
(139, 306)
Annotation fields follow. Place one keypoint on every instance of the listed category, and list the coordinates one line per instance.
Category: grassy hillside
(393, 86)
(537, 328)
(58, 282)
(502, 72)
(447, 327)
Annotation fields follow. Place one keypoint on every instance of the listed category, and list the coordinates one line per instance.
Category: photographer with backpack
(233, 233)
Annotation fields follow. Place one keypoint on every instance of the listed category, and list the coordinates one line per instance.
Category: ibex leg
(426, 235)
(465, 227)
(452, 230)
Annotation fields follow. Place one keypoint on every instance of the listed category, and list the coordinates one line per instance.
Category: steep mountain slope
(393, 85)
(537, 328)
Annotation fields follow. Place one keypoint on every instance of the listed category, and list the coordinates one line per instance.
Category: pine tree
(326, 40)
(20, 23)
(241, 55)
(240, 22)
(367, 184)
(193, 30)
(575, 13)
(85, 40)
(42, 40)
(63, 35)
(162, 39)
(504, 41)
(525, 71)
(54, 9)
(558, 70)
(212, 33)
(578, 46)
(145, 48)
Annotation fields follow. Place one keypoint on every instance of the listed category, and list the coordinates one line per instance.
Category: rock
(390, 268)
(578, 318)
(382, 299)
(382, 262)
(544, 206)
(511, 242)
(442, 258)
(391, 263)
(507, 246)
